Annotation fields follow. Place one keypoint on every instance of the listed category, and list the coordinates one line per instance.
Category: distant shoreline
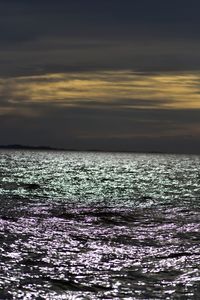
(26, 147)
(48, 148)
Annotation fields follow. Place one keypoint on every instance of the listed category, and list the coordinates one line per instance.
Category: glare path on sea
(99, 226)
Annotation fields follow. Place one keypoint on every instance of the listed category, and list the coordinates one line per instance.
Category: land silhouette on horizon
(49, 148)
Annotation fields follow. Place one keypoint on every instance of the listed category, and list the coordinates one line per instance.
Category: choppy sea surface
(99, 225)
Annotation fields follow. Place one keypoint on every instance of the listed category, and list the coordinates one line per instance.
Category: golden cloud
(130, 89)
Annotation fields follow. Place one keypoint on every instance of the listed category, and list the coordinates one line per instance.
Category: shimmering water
(99, 226)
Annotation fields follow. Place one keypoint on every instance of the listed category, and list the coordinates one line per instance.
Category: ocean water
(99, 225)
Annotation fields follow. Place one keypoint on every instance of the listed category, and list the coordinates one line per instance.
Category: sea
(91, 225)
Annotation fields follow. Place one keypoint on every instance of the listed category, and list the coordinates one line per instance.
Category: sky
(113, 75)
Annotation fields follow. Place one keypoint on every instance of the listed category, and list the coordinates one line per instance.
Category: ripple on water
(106, 253)
(99, 226)
(101, 178)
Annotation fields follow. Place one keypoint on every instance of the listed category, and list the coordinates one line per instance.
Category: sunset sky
(109, 75)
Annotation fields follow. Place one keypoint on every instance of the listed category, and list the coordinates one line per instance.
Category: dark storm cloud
(38, 36)
(102, 18)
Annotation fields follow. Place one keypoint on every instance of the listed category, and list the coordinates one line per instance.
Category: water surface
(99, 226)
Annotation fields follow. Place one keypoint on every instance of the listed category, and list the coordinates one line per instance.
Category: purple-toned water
(99, 226)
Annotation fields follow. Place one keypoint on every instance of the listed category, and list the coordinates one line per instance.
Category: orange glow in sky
(163, 91)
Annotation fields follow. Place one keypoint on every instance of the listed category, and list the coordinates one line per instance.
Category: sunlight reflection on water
(99, 226)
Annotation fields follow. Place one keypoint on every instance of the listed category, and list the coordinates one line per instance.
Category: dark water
(99, 226)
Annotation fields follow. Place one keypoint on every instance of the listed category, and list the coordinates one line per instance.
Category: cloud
(111, 89)
(96, 73)
(106, 129)
(49, 36)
